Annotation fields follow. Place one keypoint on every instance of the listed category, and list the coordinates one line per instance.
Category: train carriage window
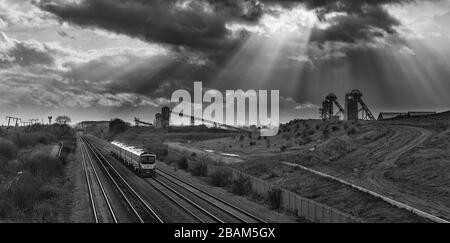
(148, 159)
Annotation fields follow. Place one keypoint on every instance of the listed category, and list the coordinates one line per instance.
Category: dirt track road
(419, 135)
(376, 180)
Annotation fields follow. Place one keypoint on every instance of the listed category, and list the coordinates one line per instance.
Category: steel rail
(179, 195)
(175, 178)
(104, 194)
(149, 210)
(188, 200)
(88, 183)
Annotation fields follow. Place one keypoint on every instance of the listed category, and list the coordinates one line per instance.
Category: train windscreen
(148, 159)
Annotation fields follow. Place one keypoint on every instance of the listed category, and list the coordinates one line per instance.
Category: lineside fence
(300, 206)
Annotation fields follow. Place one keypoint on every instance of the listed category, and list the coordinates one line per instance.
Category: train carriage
(142, 162)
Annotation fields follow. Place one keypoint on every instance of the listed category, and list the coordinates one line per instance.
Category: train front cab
(147, 165)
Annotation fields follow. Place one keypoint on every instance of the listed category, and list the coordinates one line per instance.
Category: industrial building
(390, 115)
(393, 115)
(162, 120)
(165, 117)
(355, 108)
(327, 110)
(420, 113)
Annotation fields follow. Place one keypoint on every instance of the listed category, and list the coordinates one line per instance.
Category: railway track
(99, 196)
(192, 208)
(202, 205)
(138, 206)
(235, 213)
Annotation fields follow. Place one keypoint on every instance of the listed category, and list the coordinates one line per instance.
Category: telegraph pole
(15, 119)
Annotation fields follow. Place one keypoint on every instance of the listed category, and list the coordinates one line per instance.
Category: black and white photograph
(224, 112)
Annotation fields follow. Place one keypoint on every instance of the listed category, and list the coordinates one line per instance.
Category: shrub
(441, 126)
(25, 192)
(352, 131)
(283, 148)
(160, 149)
(326, 133)
(117, 126)
(335, 128)
(8, 149)
(199, 169)
(43, 166)
(183, 163)
(274, 198)
(31, 139)
(220, 177)
(4, 164)
(194, 154)
(307, 140)
(286, 136)
(241, 186)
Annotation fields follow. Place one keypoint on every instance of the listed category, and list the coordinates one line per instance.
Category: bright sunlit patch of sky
(275, 54)
(295, 21)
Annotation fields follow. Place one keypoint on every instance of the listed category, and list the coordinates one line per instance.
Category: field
(403, 162)
(34, 185)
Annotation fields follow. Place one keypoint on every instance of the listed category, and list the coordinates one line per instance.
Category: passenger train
(142, 162)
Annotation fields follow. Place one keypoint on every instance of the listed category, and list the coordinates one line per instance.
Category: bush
(283, 148)
(220, 177)
(183, 163)
(241, 186)
(274, 198)
(286, 136)
(25, 192)
(199, 169)
(8, 149)
(326, 133)
(352, 131)
(307, 140)
(31, 139)
(4, 165)
(441, 126)
(160, 149)
(43, 166)
(117, 126)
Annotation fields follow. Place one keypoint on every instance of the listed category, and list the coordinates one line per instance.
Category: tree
(117, 126)
(63, 120)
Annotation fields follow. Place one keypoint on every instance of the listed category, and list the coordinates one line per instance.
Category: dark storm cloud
(198, 29)
(155, 75)
(201, 24)
(188, 24)
(357, 19)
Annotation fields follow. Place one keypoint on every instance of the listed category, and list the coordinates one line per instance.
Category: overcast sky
(98, 59)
